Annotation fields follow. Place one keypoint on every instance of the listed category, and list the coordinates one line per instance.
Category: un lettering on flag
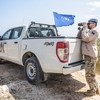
(63, 19)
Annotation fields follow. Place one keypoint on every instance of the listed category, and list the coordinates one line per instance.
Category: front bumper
(67, 69)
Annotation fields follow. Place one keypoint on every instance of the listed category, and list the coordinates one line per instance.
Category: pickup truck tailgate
(75, 54)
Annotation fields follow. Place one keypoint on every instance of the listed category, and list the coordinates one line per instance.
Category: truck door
(14, 45)
(4, 44)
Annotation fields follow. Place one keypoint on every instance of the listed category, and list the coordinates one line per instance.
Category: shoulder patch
(94, 32)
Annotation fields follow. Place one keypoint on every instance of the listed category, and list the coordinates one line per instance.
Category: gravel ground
(14, 86)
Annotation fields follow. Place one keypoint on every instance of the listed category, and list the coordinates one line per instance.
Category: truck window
(33, 32)
(47, 32)
(6, 35)
(41, 32)
(16, 33)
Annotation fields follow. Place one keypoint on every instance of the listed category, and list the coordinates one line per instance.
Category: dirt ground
(14, 86)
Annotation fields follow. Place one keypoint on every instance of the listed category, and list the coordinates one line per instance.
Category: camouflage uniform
(90, 72)
(89, 50)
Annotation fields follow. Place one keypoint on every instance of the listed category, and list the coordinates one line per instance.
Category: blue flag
(63, 20)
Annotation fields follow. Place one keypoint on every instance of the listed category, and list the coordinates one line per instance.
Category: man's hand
(84, 24)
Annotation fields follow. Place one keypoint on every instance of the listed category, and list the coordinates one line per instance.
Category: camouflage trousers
(90, 72)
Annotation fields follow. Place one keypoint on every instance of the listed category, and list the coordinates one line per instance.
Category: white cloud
(92, 9)
(95, 4)
(91, 16)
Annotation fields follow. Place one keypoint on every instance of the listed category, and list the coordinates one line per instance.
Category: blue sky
(22, 12)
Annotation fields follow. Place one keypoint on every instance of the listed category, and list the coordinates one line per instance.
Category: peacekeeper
(89, 36)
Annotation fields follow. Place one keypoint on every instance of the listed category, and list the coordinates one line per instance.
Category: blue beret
(93, 20)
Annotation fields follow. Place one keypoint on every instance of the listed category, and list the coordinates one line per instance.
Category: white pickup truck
(41, 51)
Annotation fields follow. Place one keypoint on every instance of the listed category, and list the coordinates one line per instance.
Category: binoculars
(81, 24)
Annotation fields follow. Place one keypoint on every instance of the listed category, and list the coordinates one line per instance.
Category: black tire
(2, 61)
(33, 71)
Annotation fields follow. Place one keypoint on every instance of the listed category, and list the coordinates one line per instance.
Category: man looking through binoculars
(89, 36)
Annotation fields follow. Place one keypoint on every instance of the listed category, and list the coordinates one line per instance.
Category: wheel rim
(31, 70)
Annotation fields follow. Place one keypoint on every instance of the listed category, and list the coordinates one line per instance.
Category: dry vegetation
(98, 64)
(99, 47)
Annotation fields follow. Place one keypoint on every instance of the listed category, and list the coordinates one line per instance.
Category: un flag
(63, 20)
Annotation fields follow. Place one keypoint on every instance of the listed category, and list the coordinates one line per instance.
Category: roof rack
(33, 25)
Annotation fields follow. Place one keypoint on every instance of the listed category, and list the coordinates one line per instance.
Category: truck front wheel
(33, 71)
(2, 61)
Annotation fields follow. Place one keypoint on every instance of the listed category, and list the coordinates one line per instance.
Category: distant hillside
(98, 63)
(98, 47)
